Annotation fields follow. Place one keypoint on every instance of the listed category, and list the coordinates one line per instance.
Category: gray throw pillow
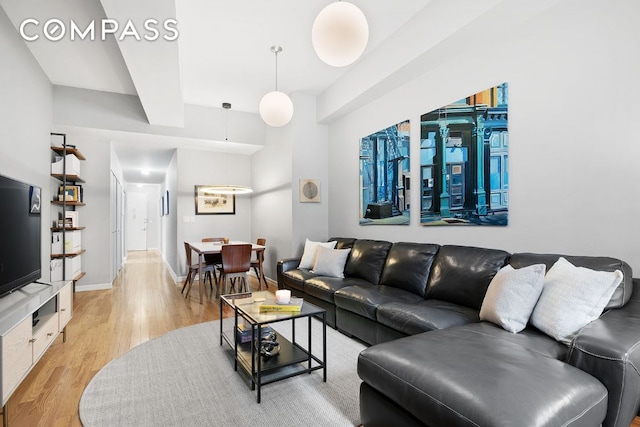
(330, 262)
(572, 297)
(512, 295)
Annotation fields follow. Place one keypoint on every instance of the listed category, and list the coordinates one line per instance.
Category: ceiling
(222, 53)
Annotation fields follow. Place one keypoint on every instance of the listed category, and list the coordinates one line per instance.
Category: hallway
(143, 304)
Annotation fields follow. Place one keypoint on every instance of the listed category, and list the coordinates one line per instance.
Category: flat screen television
(20, 234)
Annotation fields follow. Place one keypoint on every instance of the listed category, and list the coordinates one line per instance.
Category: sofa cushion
(512, 295)
(367, 259)
(571, 298)
(622, 292)
(414, 318)
(296, 278)
(330, 262)
(323, 287)
(461, 274)
(364, 300)
(408, 265)
(464, 377)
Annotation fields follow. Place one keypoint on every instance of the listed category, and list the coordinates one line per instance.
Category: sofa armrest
(286, 265)
(609, 349)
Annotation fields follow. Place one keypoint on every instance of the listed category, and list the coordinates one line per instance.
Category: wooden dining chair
(256, 263)
(214, 259)
(236, 262)
(193, 269)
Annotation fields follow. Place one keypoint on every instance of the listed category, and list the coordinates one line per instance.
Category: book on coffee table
(294, 306)
(243, 334)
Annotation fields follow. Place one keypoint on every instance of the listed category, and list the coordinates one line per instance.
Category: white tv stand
(22, 344)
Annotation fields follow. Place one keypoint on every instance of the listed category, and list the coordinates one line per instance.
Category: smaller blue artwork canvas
(385, 176)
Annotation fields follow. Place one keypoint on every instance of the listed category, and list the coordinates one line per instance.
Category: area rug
(185, 378)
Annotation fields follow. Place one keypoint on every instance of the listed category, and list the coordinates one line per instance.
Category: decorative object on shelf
(310, 190)
(269, 345)
(210, 201)
(72, 193)
(276, 108)
(384, 191)
(340, 34)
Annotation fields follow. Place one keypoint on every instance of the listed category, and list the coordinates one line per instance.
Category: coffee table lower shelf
(291, 361)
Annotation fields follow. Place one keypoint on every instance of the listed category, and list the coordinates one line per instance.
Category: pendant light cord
(276, 50)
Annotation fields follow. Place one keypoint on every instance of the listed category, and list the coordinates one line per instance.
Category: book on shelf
(295, 305)
(243, 334)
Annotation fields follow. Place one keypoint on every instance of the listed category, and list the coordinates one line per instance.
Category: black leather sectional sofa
(433, 362)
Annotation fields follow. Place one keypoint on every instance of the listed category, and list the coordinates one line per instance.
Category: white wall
(169, 224)
(310, 160)
(271, 200)
(574, 85)
(26, 115)
(296, 151)
(202, 168)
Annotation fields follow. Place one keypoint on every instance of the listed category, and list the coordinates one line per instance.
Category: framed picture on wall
(310, 191)
(166, 203)
(162, 206)
(210, 203)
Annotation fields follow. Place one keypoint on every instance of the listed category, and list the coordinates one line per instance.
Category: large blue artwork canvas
(464, 161)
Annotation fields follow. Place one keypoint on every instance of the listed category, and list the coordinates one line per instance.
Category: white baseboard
(95, 287)
(172, 273)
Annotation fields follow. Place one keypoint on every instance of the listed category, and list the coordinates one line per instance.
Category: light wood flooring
(143, 304)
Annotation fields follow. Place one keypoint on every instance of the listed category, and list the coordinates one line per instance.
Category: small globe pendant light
(276, 108)
(340, 34)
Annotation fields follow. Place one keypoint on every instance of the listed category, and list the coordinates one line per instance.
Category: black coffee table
(292, 360)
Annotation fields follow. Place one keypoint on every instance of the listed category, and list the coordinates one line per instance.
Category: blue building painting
(384, 176)
(464, 161)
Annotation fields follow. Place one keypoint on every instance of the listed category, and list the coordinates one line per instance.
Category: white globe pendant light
(340, 34)
(276, 108)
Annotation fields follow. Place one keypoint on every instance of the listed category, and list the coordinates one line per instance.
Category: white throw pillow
(572, 297)
(512, 295)
(309, 254)
(330, 262)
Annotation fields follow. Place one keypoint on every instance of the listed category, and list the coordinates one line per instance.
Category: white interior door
(137, 218)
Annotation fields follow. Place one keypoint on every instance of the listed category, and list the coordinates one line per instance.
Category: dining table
(205, 248)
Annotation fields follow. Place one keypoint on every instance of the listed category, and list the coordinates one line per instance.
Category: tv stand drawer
(45, 335)
(16, 356)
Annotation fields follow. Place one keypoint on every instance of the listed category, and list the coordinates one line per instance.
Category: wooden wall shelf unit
(69, 254)
(66, 163)
(62, 203)
(69, 150)
(31, 318)
(70, 178)
(67, 228)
